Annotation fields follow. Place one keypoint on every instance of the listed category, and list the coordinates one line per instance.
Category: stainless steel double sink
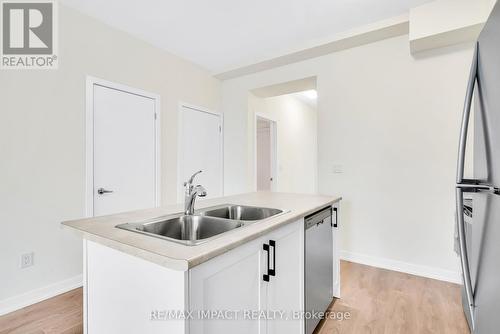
(204, 225)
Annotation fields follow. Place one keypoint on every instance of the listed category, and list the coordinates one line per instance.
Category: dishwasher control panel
(317, 217)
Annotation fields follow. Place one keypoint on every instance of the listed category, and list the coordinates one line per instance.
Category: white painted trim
(180, 194)
(89, 149)
(158, 151)
(89, 137)
(404, 267)
(37, 295)
(85, 279)
(274, 150)
(265, 116)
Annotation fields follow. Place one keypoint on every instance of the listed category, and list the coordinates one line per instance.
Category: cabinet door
(285, 290)
(336, 249)
(229, 282)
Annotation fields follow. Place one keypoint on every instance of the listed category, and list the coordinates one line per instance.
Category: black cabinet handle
(265, 277)
(272, 272)
(336, 217)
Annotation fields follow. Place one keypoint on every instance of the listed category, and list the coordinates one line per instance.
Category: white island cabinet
(239, 282)
(126, 294)
(249, 280)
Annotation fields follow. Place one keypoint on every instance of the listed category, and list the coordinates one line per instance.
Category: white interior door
(265, 146)
(124, 151)
(263, 155)
(200, 148)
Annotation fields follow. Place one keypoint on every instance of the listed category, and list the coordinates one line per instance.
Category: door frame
(89, 136)
(180, 195)
(274, 149)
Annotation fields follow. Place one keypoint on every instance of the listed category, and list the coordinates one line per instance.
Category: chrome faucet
(190, 194)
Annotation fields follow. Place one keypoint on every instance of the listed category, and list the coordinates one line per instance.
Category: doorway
(200, 147)
(285, 133)
(122, 154)
(266, 153)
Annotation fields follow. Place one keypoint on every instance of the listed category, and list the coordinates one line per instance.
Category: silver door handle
(464, 257)
(102, 191)
(466, 115)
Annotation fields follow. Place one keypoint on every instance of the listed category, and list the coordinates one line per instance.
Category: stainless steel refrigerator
(480, 248)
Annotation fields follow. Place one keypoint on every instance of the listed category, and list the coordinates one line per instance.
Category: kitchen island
(246, 280)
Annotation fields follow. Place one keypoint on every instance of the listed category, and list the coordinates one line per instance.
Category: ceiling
(222, 35)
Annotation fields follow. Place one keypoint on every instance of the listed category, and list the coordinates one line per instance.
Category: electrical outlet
(337, 169)
(27, 260)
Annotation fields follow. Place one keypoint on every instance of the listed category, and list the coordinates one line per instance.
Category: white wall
(297, 143)
(42, 120)
(392, 121)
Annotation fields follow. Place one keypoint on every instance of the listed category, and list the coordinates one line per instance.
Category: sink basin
(240, 212)
(205, 225)
(189, 230)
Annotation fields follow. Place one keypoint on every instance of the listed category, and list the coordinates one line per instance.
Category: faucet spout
(191, 193)
(191, 179)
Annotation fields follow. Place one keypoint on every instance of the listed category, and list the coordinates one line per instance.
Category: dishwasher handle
(336, 225)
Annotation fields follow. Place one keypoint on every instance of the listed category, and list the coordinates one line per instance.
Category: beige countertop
(181, 257)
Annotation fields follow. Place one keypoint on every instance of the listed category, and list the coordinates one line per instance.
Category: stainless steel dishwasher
(318, 264)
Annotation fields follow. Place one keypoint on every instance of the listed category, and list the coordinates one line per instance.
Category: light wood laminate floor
(378, 301)
(389, 302)
(62, 314)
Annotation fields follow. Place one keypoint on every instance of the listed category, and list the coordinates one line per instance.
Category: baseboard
(404, 267)
(34, 296)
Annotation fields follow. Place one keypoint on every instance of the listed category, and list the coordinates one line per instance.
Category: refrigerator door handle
(466, 115)
(475, 186)
(464, 257)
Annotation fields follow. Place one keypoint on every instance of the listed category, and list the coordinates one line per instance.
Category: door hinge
(220, 129)
(156, 116)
